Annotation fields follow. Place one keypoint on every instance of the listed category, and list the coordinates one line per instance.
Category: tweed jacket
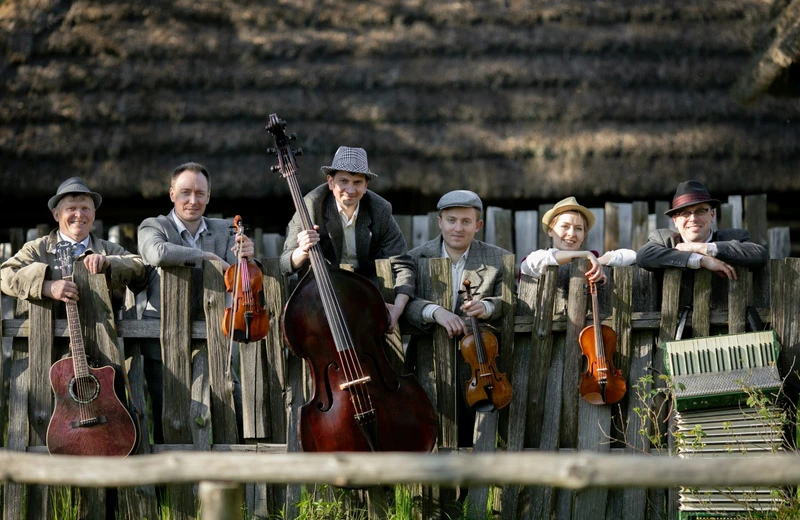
(161, 245)
(377, 237)
(733, 247)
(23, 275)
(484, 270)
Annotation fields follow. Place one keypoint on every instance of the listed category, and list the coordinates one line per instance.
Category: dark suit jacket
(377, 237)
(484, 270)
(733, 247)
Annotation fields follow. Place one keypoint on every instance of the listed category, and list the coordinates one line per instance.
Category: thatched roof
(513, 99)
(774, 69)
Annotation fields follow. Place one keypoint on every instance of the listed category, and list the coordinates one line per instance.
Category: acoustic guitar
(89, 418)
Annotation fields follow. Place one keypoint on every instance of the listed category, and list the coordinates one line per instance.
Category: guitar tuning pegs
(293, 136)
(275, 169)
(298, 152)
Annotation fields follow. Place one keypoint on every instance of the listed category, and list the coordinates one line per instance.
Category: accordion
(713, 379)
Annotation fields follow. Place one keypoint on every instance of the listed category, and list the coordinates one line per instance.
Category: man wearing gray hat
(481, 263)
(353, 225)
(33, 274)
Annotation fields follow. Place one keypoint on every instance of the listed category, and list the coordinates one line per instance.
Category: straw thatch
(513, 99)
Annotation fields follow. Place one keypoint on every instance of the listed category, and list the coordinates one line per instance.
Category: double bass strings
(348, 359)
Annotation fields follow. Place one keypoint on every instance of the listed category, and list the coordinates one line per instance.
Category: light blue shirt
(191, 240)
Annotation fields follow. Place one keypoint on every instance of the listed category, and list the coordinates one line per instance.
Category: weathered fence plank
(176, 344)
(219, 350)
(41, 356)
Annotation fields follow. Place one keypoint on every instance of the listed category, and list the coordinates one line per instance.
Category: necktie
(78, 249)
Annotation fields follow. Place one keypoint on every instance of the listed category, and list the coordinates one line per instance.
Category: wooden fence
(538, 351)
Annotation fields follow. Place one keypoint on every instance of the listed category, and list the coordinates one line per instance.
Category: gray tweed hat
(460, 199)
(73, 185)
(353, 160)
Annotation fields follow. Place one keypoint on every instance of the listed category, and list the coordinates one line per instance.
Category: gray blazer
(161, 245)
(733, 247)
(377, 237)
(484, 270)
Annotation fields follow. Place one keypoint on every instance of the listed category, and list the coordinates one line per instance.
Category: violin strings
(332, 308)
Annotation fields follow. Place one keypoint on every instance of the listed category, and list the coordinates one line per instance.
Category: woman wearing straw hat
(568, 223)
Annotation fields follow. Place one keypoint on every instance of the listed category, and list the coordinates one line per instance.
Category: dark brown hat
(690, 193)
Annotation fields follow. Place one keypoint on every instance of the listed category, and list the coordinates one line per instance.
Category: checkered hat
(353, 160)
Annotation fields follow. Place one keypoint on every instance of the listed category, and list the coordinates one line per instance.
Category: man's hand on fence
(454, 325)
(60, 290)
(718, 266)
(692, 247)
(475, 308)
(96, 264)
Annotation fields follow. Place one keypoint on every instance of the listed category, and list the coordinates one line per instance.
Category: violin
(245, 320)
(488, 389)
(337, 320)
(602, 382)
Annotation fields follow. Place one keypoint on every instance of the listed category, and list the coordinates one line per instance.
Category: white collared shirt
(85, 241)
(191, 240)
(349, 253)
(457, 276)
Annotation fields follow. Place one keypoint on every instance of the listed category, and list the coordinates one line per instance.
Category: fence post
(780, 243)
(220, 500)
(223, 413)
(41, 355)
(612, 238)
(639, 225)
(755, 218)
(785, 297)
(176, 346)
(498, 228)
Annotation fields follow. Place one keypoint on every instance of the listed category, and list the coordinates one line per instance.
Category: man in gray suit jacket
(480, 263)
(353, 225)
(184, 238)
(695, 245)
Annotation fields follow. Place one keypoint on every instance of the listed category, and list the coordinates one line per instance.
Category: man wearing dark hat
(481, 263)
(353, 225)
(696, 245)
(33, 274)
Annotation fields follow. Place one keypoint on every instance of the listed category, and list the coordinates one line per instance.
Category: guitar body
(89, 419)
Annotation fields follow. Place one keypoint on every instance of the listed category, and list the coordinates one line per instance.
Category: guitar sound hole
(84, 389)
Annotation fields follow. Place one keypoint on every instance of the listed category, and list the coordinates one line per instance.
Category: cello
(336, 320)
(245, 320)
(488, 389)
(601, 383)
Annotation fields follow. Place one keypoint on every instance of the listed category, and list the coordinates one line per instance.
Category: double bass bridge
(359, 381)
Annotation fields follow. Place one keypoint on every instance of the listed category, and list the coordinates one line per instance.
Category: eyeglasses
(702, 212)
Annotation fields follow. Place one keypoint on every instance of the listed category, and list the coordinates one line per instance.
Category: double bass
(487, 389)
(336, 320)
(601, 383)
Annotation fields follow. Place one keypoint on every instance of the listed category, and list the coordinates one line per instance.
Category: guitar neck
(76, 345)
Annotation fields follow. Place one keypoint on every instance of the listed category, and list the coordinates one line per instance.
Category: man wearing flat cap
(353, 225)
(33, 274)
(459, 219)
(696, 245)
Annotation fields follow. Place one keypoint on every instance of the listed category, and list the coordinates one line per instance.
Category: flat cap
(460, 199)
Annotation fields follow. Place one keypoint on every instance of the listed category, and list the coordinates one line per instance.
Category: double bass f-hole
(487, 388)
(601, 383)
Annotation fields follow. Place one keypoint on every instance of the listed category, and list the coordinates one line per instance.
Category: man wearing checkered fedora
(353, 225)
(695, 244)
